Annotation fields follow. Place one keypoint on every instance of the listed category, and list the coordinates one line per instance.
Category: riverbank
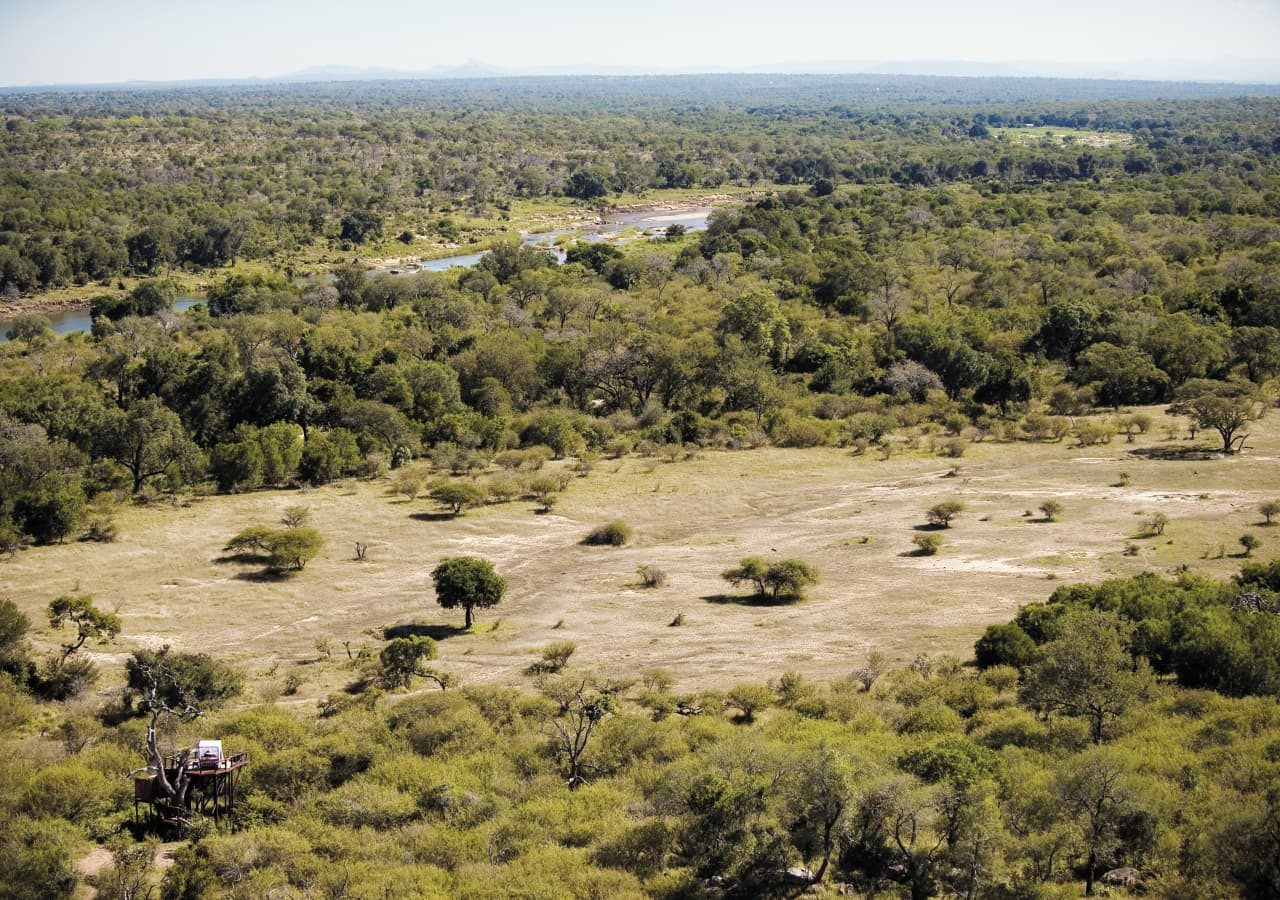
(81, 297)
(576, 219)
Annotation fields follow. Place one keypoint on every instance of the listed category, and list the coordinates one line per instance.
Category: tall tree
(148, 439)
(1089, 671)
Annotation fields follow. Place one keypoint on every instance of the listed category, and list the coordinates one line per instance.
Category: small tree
(555, 656)
(89, 622)
(651, 576)
(544, 488)
(1155, 525)
(402, 660)
(941, 514)
(571, 731)
(469, 582)
(927, 544)
(868, 674)
(293, 548)
(1051, 509)
(1269, 509)
(1249, 542)
(295, 516)
(749, 699)
(785, 579)
(457, 496)
(282, 550)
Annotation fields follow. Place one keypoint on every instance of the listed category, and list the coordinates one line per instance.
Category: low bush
(612, 534)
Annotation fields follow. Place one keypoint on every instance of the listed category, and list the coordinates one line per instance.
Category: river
(648, 222)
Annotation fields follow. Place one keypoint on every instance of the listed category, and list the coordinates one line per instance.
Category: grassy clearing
(852, 517)
(1041, 135)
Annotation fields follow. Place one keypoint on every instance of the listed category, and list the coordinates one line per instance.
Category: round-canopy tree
(469, 582)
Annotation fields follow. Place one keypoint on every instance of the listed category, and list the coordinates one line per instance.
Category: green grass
(1054, 136)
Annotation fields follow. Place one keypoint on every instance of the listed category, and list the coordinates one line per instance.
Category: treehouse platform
(208, 787)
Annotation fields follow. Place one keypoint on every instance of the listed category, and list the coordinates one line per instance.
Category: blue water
(649, 223)
(79, 319)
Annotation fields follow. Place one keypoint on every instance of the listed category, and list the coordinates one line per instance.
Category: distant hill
(1225, 71)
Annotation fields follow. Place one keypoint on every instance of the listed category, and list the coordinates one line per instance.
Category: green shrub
(554, 657)
(1004, 645)
(613, 534)
(927, 544)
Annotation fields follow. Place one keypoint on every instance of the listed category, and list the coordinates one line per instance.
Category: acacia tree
(1224, 406)
(941, 514)
(402, 660)
(457, 496)
(89, 621)
(469, 582)
(784, 579)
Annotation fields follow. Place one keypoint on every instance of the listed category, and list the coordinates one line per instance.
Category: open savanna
(853, 517)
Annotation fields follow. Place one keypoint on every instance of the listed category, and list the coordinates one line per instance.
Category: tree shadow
(750, 599)
(240, 559)
(1191, 454)
(263, 576)
(928, 526)
(414, 629)
(433, 516)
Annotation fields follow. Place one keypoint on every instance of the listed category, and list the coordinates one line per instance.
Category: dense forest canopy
(912, 265)
(96, 184)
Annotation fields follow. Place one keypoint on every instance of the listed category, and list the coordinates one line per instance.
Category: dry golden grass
(852, 517)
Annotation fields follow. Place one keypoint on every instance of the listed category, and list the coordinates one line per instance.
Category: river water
(648, 223)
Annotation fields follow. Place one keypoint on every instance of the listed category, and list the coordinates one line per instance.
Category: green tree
(180, 680)
(755, 316)
(402, 661)
(360, 225)
(458, 496)
(1097, 791)
(282, 550)
(1004, 645)
(469, 582)
(1089, 671)
(785, 579)
(822, 786)
(941, 514)
(89, 622)
(1224, 406)
(1269, 509)
(148, 439)
(749, 698)
(14, 652)
(1121, 375)
(51, 509)
(1051, 509)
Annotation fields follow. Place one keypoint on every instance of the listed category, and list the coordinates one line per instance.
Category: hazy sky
(57, 41)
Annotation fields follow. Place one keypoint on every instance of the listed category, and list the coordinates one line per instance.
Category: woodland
(894, 266)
